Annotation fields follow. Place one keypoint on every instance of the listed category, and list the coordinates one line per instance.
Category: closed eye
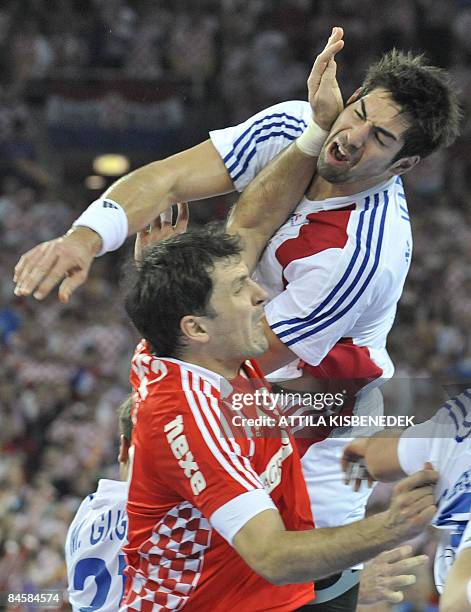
(378, 139)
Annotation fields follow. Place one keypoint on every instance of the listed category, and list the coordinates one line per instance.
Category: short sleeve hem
(234, 514)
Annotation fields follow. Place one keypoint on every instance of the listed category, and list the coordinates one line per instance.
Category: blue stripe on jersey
(402, 195)
(254, 150)
(455, 410)
(464, 412)
(398, 180)
(404, 209)
(446, 406)
(289, 133)
(455, 510)
(405, 218)
(341, 282)
(362, 289)
(313, 320)
(299, 122)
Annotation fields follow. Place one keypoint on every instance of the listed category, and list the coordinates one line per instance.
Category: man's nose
(259, 295)
(358, 135)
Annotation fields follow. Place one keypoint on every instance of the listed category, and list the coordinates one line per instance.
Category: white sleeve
(248, 147)
(234, 514)
(431, 440)
(415, 446)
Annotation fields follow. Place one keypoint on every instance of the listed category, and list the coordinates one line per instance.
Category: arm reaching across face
(140, 197)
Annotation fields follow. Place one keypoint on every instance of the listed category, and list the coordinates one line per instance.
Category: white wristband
(311, 140)
(108, 219)
(469, 592)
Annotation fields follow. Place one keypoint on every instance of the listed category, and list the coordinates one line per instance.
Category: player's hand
(413, 504)
(384, 577)
(64, 260)
(353, 464)
(162, 228)
(324, 93)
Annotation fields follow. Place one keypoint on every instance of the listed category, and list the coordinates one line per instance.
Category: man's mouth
(337, 154)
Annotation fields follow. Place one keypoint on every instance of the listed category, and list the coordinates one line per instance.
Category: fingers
(392, 597)
(334, 44)
(53, 277)
(166, 218)
(419, 479)
(70, 284)
(408, 565)
(398, 582)
(396, 554)
(33, 267)
(183, 218)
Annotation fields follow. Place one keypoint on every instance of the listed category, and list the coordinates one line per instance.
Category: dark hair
(125, 422)
(426, 96)
(174, 280)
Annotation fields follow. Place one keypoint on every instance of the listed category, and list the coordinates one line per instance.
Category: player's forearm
(270, 198)
(381, 456)
(144, 194)
(193, 174)
(303, 556)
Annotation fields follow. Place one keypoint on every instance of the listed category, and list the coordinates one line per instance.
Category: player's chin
(334, 174)
(259, 344)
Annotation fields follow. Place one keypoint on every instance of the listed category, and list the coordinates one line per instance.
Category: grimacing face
(364, 140)
(236, 332)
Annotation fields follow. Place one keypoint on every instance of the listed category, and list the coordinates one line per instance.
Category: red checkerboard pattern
(171, 561)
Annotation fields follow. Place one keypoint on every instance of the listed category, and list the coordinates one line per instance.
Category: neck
(320, 189)
(228, 369)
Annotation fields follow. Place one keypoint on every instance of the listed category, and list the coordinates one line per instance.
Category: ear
(405, 164)
(356, 95)
(124, 445)
(194, 328)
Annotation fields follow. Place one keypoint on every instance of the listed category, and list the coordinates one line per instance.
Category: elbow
(274, 574)
(267, 563)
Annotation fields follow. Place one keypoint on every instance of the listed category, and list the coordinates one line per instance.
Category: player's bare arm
(269, 199)
(379, 456)
(144, 194)
(456, 596)
(286, 557)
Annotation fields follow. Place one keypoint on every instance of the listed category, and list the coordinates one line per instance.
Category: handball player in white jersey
(445, 442)
(335, 270)
(93, 549)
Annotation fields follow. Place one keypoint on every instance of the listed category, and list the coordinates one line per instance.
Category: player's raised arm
(125, 208)
(269, 199)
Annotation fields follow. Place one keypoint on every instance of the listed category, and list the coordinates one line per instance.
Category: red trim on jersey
(326, 229)
(343, 357)
(346, 357)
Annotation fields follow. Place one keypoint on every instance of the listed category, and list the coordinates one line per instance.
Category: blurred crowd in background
(70, 68)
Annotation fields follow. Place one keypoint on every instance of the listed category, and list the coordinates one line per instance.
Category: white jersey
(95, 562)
(445, 441)
(334, 273)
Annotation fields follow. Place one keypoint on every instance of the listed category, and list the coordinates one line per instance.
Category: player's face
(364, 140)
(237, 330)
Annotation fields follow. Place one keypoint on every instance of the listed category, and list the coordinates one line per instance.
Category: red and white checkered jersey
(194, 486)
(334, 273)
